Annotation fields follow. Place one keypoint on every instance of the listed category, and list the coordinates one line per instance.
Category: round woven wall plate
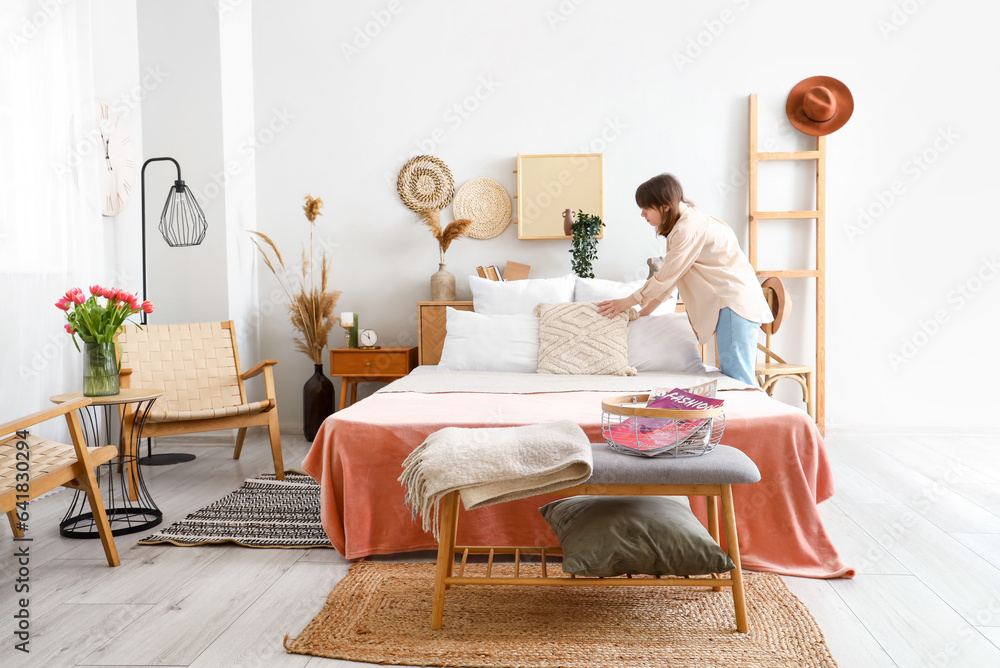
(487, 204)
(425, 184)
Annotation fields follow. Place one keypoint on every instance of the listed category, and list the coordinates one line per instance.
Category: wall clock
(116, 159)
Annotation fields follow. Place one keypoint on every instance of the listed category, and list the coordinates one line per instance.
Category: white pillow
(664, 344)
(599, 290)
(477, 342)
(519, 297)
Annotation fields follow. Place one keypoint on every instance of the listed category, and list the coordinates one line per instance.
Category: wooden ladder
(819, 215)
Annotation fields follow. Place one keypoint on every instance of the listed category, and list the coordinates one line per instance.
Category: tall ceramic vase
(442, 285)
(100, 370)
(317, 402)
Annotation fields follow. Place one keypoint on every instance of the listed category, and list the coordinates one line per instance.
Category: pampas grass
(311, 307)
(454, 229)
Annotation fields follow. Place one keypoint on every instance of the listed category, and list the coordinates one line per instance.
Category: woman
(716, 281)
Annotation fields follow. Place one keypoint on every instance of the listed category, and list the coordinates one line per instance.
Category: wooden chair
(774, 368)
(45, 465)
(198, 367)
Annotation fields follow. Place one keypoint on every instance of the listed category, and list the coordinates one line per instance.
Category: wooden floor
(919, 517)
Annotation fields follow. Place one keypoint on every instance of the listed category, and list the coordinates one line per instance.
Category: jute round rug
(380, 613)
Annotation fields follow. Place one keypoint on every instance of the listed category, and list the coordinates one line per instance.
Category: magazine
(652, 436)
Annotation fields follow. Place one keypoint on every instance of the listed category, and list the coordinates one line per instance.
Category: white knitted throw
(494, 464)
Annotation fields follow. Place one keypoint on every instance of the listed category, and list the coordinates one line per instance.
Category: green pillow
(605, 536)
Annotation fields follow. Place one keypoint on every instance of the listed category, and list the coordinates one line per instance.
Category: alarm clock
(367, 338)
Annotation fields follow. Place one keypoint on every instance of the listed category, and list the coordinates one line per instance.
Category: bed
(358, 452)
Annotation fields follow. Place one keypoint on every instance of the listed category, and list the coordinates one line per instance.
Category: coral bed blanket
(358, 453)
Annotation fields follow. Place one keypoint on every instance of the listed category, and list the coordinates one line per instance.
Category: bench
(710, 475)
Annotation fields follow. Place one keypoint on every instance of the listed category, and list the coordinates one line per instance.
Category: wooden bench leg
(446, 556)
(733, 545)
(713, 525)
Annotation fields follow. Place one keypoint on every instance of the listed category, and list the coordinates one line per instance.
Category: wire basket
(632, 429)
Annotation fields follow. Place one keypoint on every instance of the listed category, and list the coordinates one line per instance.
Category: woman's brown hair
(663, 193)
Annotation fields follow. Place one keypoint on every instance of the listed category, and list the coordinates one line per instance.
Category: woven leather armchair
(198, 368)
(49, 465)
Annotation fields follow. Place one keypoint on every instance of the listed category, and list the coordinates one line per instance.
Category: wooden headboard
(431, 328)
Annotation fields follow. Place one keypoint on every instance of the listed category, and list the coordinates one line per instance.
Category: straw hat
(487, 204)
(818, 106)
(425, 184)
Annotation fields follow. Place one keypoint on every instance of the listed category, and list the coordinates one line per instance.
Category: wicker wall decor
(487, 204)
(425, 184)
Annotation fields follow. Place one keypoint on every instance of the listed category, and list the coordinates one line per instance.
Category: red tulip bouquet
(97, 326)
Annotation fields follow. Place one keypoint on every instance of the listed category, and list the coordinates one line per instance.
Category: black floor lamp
(182, 223)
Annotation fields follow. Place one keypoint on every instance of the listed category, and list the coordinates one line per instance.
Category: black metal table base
(127, 520)
(166, 458)
(127, 502)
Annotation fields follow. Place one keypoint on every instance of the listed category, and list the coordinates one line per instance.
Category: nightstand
(358, 365)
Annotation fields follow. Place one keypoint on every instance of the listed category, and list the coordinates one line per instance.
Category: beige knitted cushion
(575, 339)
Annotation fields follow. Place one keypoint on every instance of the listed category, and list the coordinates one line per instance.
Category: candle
(347, 319)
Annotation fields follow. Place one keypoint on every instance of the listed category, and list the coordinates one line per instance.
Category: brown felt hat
(781, 306)
(818, 106)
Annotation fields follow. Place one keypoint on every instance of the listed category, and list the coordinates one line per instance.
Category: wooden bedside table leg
(354, 393)
(343, 392)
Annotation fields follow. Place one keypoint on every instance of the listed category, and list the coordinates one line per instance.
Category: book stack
(490, 272)
(514, 271)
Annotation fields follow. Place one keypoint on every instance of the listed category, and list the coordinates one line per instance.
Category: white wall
(184, 120)
(118, 79)
(236, 50)
(475, 84)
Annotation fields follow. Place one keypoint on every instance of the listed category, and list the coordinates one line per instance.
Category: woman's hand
(613, 307)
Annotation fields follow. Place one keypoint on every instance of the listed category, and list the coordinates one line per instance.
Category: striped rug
(264, 512)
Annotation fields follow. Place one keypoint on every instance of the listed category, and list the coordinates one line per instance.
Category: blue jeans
(736, 338)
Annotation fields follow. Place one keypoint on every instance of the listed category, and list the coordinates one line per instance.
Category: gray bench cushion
(723, 465)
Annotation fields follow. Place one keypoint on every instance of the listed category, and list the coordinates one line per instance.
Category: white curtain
(52, 234)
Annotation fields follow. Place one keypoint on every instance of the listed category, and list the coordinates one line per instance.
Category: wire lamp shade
(182, 222)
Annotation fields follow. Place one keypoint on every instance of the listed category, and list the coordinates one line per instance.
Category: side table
(357, 365)
(128, 504)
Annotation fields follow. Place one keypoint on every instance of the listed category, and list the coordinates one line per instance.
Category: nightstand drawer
(382, 362)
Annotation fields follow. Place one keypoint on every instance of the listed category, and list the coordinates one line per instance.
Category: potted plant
(585, 230)
(443, 281)
(311, 310)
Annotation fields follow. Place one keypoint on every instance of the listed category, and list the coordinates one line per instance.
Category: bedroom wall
(345, 93)
(119, 79)
(181, 41)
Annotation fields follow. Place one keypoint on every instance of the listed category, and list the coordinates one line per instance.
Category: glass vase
(100, 370)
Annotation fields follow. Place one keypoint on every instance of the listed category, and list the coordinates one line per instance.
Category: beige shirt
(705, 263)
